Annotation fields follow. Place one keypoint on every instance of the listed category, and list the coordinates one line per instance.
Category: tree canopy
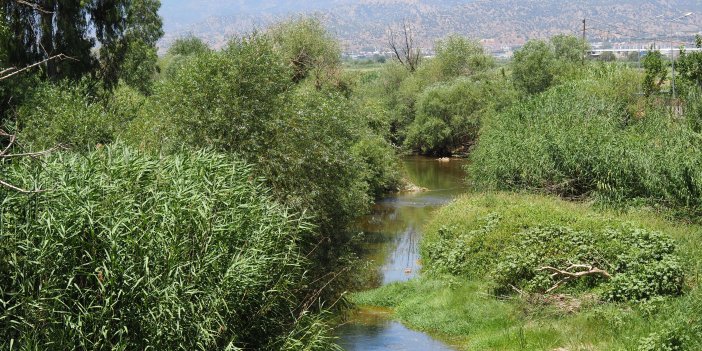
(126, 31)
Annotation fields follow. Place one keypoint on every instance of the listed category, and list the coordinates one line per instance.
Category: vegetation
(131, 251)
(208, 199)
(621, 150)
(509, 271)
(127, 32)
(475, 248)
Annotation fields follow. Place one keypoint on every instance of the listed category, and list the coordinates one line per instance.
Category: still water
(392, 234)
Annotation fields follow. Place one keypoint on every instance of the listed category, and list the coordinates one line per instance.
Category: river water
(392, 235)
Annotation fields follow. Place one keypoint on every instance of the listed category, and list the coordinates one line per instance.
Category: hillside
(363, 24)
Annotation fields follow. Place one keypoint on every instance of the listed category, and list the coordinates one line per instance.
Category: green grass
(462, 310)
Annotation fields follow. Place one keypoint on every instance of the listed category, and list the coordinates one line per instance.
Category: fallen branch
(573, 272)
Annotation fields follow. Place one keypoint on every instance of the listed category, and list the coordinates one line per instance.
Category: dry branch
(575, 271)
(5, 154)
(36, 7)
(7, 73)
(405, 52)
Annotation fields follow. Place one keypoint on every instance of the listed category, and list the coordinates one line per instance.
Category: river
(392, 234)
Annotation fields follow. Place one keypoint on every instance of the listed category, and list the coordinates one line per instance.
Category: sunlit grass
(463, 311)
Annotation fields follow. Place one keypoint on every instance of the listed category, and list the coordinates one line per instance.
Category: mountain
(362, 24)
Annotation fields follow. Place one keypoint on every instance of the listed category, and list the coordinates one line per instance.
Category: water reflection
(392, 234)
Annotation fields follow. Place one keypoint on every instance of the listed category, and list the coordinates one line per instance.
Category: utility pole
(584, 40)
(672, 55)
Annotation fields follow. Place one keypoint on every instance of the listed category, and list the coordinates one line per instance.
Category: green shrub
(458, 56)
(187, 46)
(382, 171)
(449, 115)
(580, 139)
(226, 100)
(532, 67)
(308, 48)
(664, 340)
(511, 238)
(642, 264)
(64, 114)
(130, 251)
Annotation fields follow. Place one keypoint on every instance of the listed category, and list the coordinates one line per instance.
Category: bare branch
(36, 7)
(405, 51)
(20, 190)
(12, 72)
(575, 271)
(4, 154)
(34, 154)
(9, 144)
(8, 70)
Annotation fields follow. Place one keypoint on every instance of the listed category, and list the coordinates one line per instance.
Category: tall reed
(131, 252)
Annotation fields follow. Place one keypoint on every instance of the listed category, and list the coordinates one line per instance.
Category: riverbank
(458, 297)
(392, 233)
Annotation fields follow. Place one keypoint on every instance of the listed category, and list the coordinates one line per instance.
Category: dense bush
(578, 139)
(129, 251)
(64, 114)
(449, 116)
(437, 109)
(540, 64)
(532, 67)
(187, 46)
(316, 150)
(509, 239)
(308, 48)
(458, 56)
(226, 100)
(642, 264)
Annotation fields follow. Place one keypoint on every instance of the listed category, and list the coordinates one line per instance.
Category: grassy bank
(459, 297)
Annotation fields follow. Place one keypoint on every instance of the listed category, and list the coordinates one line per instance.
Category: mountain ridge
(363, 24)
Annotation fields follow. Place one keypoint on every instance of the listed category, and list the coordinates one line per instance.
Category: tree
(189, 45)
(608, 56)
(569, 48)
(130, 55)
(75, 28)
(690, 64)
(403, 46)
(532, 67)
(308, 47)
(457, 55)
(656, 72)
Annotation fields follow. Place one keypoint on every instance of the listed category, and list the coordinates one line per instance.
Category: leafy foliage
(458, 56)
(75, 29)
(643, 264)
(226, 100)
(308, 47)
(656, 72)
(618, 150)
(690, 64)
(511, 245)
(64, 114)
(448, 116)
(569, 48)
(130, 251)
(188, 46)
(532, 67)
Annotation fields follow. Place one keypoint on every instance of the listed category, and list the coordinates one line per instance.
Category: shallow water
(392, 234)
